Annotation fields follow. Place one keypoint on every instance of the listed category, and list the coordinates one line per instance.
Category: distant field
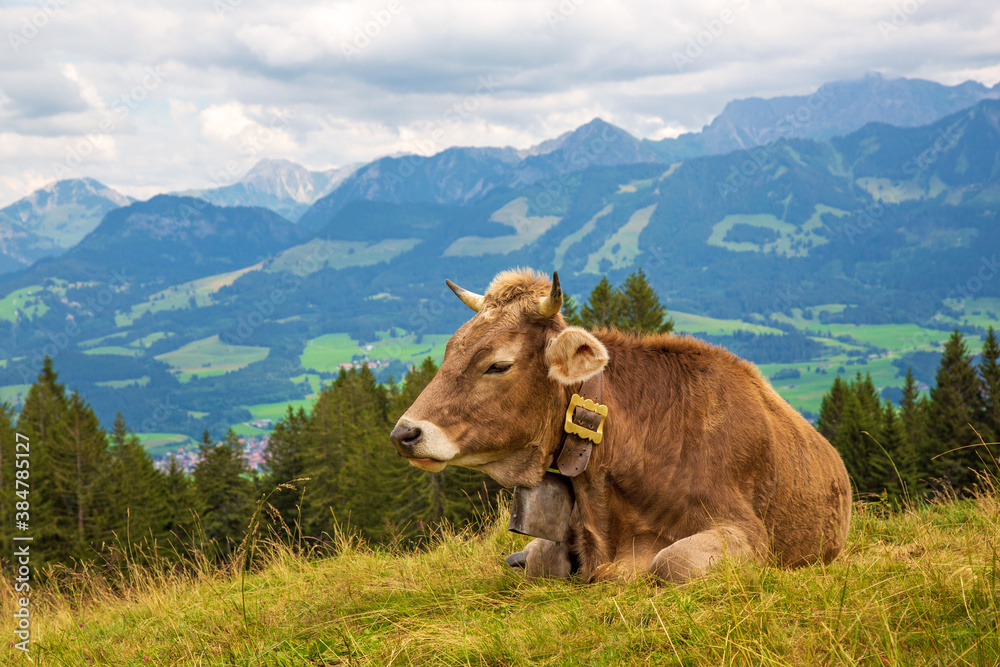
(276, 411)
(14, 393)
(313, 379)
(160, 444)
(114, 349)
(120, 384)
(318, 254)
(623, 246)
(978, 312)
(691, 323)
(245, 430)
(577, 236)
(146, 341)
(25, 302)
(326, 353)
(792, 241)
(514, 214)
(806, 392)
(94, 342)
(178, 297)
(210, 356)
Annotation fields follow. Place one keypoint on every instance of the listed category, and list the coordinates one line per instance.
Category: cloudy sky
(164, 95)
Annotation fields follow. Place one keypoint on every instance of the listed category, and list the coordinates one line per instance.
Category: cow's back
(714, 436)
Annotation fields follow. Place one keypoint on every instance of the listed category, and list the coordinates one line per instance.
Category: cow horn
(551, 304)
(470, 299)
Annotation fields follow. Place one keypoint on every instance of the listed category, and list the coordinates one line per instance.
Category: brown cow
(701, 458)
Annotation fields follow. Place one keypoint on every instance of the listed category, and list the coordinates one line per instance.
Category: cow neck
(584, 426)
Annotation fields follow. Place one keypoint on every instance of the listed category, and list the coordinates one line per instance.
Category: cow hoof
(517, 560)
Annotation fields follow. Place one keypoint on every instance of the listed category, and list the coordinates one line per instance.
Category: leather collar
(583, 428)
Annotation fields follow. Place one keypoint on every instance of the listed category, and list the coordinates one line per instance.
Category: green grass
(160, 444)
(210, 356)
(788, 234)
(327, 352)
(246, 429)
(14, 393)
(977, 312)
(622, 247)
(318, 254)
(146, 341)
(178, 297)
(276, 411)
(120, 384)
(514, 214)
(916, 588)
(691, 323)
(94, 342)
(577, 236)
(26, 302)
(114, 349)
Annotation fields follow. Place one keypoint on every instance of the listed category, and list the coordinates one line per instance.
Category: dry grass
(920, 587)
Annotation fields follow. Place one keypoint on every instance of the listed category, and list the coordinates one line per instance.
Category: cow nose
(405, 436)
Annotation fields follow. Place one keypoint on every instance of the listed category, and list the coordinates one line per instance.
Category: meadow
(918, 586)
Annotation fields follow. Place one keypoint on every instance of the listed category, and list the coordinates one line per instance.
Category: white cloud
(228, 73)
(224, 121)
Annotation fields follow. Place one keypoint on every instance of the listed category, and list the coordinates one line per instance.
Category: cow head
(497, 403)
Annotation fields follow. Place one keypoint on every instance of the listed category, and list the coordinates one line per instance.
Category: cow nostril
(406, 436)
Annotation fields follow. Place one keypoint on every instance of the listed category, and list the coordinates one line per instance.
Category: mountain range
(53, 219)
(882, 225)
(283, 186)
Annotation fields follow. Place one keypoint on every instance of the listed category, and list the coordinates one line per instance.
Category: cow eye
(501, 367)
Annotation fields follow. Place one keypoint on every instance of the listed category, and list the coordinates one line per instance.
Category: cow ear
(575, 355)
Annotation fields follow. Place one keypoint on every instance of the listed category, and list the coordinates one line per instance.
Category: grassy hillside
(919, 587)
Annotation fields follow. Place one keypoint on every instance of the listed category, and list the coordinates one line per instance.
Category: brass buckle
(572, 427)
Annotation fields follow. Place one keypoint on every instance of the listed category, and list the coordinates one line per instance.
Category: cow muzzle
(423, 444)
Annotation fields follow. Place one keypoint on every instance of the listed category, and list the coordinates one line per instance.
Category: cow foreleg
(545, 558)
(693, 556)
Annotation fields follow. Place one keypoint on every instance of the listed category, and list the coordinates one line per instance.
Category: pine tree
(989, 372)
(180, 500)
(284, 461)
(854, 416)
(913, 416)
(603, 308)
(569, 311)
(831, 409)
(901, 478)
(40, 420)
(956, 402)
(224, 492)
(137, 510)
(8, 474)
(77, 462)
(641, 309)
